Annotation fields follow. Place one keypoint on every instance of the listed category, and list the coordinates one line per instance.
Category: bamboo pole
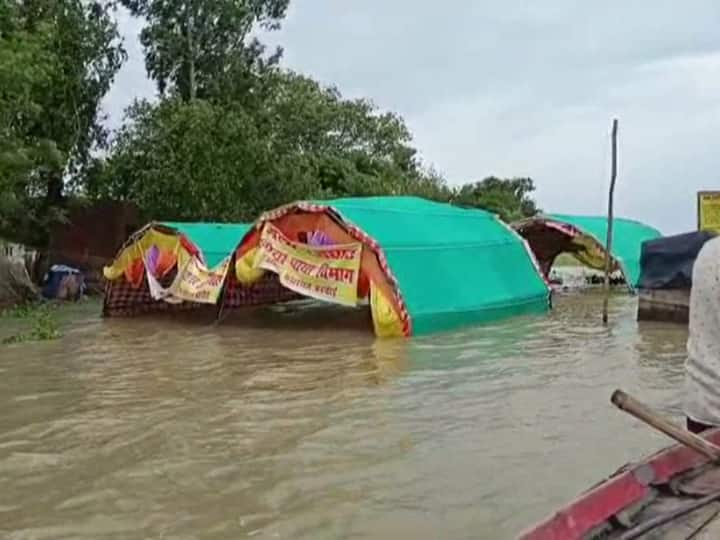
(639, 410)
(608, 242)
(642, 412)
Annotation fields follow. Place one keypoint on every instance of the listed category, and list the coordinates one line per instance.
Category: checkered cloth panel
(124, 300)
(267, 290)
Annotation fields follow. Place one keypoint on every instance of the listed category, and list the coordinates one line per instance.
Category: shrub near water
(43, 325)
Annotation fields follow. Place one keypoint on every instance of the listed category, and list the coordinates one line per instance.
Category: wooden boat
(672, 495)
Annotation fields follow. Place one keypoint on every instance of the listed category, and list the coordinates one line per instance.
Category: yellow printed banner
(197, 283)
(327, 273)
(708, 203)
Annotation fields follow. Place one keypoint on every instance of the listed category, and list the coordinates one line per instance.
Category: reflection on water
(302, 425)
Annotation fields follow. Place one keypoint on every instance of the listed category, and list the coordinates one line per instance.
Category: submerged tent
(667, 263)
(422, 266)
(146, 267)
(584, 237)
(214, 240)
(425, 266)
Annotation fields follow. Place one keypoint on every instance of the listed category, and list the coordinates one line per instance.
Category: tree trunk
(54, 195)
(52, 206)
(192, 92)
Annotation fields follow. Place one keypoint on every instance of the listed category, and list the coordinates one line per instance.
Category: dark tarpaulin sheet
(667, 263)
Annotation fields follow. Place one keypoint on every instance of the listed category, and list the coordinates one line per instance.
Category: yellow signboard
(327, 273)
(197, 283)
(708, 205)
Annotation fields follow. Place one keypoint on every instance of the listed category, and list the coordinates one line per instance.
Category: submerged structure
(666, 266)
(584, 237)
(425, 266)
(422, 266)
(174, 266)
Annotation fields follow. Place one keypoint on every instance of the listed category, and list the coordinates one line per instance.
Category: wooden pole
(608, 242)
(626, 403)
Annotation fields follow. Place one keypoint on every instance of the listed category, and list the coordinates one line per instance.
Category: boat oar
(626, 403)
(639, 410)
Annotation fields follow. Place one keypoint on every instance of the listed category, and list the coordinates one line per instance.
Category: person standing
(702, 367)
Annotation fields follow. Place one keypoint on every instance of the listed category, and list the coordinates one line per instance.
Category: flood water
(158, 428)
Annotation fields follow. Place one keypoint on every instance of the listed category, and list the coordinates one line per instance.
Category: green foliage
(190, 45)
(19, 311)
(509, 198)
(353, 149)
(197, 160)
(231, 135)
(219, 159)
(57, 61)
(25, 68)
(43, 324)
(234, 135)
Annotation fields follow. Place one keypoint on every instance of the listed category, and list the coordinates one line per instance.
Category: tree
(198, 161)
(191, 44)
(269, 135)
(229, 159)
(509, 198)
(24, 71)
(354, 148)
(57, 61)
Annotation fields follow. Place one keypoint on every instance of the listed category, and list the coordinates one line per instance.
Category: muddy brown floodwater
(158, 428)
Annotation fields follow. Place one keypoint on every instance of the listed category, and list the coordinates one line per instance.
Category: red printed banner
(327, 273)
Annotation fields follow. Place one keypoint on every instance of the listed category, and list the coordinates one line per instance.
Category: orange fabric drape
(134, 272)
(166, 262)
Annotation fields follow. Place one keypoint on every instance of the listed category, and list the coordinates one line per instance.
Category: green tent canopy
(454, 266)
(215, 240)
(628, 237)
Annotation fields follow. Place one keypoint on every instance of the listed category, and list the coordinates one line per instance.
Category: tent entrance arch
(583, 237)
(320, 230)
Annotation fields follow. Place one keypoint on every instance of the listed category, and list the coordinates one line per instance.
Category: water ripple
(280, 427)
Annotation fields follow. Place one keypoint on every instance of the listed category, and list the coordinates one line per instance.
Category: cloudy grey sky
(525, 89)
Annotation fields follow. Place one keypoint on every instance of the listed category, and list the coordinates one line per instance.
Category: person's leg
(696, 427)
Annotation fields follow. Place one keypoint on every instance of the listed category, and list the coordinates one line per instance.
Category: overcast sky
(525, 89)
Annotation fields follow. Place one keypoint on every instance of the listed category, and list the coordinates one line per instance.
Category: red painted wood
(590, 510)
(599, 504)
(679, 458)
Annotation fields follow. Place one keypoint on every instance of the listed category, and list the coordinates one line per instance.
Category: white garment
(702, 368)
(157, 292)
